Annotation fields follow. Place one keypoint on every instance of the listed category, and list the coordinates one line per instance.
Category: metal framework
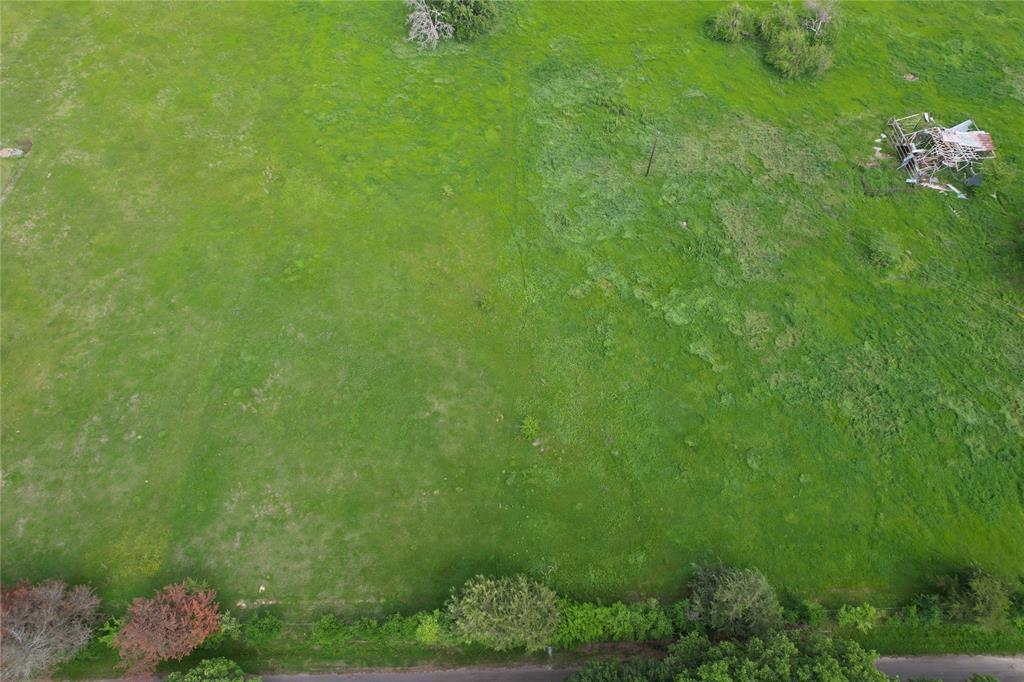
(925, 148)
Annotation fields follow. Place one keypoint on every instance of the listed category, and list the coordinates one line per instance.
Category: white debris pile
(927, 150)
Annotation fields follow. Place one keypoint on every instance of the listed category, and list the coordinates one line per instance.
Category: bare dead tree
(821, 14)
(43, 625)
(426, 25)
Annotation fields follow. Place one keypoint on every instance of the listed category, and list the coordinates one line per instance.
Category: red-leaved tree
(43, 625)
(168, 626)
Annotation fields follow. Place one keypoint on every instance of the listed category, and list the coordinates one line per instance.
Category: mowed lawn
(278, 290)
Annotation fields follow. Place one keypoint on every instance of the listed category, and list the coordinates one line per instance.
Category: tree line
(731, 621)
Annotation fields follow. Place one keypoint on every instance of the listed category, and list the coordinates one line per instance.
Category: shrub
(780, 19)
(168, 626)
(44, 625)
(925, 610)
(326, 632)
(793, 54)
(431, 630)
(230, 629)
(529, 428)
(863, 617)
(428, 631)
(795, 45)
(469, 18)
(108, 632)
(682, 616)
(778, 657)
(733, 23)
(212, 670)
(262, 629)
(977, 596)
(332, 634)
(812, 613)
(505, 613)
(583, 623)
(735, 602)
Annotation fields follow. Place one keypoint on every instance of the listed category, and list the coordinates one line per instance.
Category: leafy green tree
(505, 613)
(778, 658)
(212, 670)
(469, 18)
(977, 596)
(863, 617)
(735, 602)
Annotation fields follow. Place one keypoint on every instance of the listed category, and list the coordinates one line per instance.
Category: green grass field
(278, 290)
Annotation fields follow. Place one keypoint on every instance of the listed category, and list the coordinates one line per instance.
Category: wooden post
(654, 147)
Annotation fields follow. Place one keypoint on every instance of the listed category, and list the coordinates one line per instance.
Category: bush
(44, 625)
(682, 616)
(168, 626)
(779, 20)
(529, 428)
(469, 18)
(793, 54)
(327, 632)
(505, 613)
(812, 613)
(262, 629)
(802, 658)
(733, 23)
(778, 657)
(428, 631)
(212, 670)
(735, 602)
(976, 596)
(863, 617)
(583, 623)
(925, 610)
(332, 634)
(795, 45)
(230, 629)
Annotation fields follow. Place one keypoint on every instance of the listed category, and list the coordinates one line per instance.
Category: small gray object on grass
(11, 153)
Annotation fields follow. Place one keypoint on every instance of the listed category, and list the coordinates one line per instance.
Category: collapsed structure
(925, 149)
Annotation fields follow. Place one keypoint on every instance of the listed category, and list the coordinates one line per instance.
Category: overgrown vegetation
(432, 21)
(505, 613)
(778, 657)
(213, 670)
(971, 611)
(795, 44)
(309, 376)
(585, 623)
(470, 18)
(735, 602)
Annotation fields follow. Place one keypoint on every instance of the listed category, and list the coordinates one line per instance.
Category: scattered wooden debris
(926, 149)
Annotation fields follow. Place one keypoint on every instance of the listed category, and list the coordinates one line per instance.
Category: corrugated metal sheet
(975, 139)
